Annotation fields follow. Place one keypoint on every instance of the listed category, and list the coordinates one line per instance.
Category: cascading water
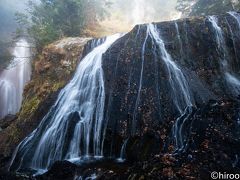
(140, 84)
(235, 15)
(235, 83)
(231, 79)
(179, 40)
(74, 126)
(92, 177)
(123, 151)
(179, 131)
(181, 93)
(14, 78)
(179, 87)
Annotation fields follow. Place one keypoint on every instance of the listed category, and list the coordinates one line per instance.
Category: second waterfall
(74, 126)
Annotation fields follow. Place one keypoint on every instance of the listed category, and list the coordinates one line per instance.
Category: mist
(7, 14)
(125, 14)
(122, 14)
(142, 11)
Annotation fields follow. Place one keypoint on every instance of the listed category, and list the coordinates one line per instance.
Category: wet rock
(60, 170)
(141, 148)
(5, 122)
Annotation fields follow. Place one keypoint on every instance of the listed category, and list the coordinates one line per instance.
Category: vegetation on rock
(207, 7)
(53, 68)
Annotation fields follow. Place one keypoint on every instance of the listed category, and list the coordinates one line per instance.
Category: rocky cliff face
(142, 97)
(171, 106)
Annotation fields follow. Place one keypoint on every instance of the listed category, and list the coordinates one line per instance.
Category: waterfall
(92, 177)
(233, 38)
(234, 83)
(140, 84)
(180, 90)
(179, 131)
(73, 128)
(179, 87)
(179, 40)
(123, 151)
(14, 78)
(236, 17)
(218, 34)
(231, 79)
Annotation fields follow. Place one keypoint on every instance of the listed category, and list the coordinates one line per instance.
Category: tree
(185, 6)
(206, 7)
(210, 7)
(52, 19)
(5, 55)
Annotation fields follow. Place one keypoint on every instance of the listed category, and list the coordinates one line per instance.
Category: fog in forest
(122, 14)
(7, 16)
(142, 11)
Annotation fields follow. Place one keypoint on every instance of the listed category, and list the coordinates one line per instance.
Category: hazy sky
(7, 10)
(126, 12)
(140, 11)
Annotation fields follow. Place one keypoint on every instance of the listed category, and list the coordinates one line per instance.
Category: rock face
(141, 104)
(171, 106)
(141, 95)
(52, 70)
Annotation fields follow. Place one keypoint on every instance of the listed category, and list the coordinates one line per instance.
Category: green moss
(14, 134)
(57, 86)
(28, 107)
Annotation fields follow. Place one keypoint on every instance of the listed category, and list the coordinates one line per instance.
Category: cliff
(146, 91)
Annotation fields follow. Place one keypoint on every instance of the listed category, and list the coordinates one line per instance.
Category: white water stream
(14, 78)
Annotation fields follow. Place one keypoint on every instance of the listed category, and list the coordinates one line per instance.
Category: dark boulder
(60, 170)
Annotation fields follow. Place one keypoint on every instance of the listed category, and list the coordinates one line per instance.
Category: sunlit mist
(125, 14)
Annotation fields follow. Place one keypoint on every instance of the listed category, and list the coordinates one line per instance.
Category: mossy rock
(29, 107)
